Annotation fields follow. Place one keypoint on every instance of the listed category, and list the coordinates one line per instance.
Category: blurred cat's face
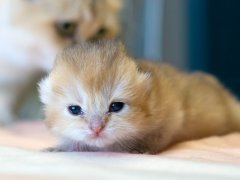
(96, 97)
(49, 25)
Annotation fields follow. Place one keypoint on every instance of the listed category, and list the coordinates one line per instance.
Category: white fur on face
(76, 128)
(114, 132)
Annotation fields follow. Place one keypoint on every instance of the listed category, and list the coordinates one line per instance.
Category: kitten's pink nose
(97, 127)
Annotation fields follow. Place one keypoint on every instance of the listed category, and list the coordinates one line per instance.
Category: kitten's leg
(63, 147)
(54, 149)
(68, 146)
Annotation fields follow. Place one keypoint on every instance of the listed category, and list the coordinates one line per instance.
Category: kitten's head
(97, 95)
(49, 25)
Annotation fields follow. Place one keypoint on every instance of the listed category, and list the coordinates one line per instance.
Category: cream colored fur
(162, 104)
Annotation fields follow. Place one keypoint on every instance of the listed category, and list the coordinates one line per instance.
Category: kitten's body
(30, 39)
(163, 105)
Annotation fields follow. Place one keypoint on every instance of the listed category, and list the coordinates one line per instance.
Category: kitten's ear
(45, 90)
(145, 79)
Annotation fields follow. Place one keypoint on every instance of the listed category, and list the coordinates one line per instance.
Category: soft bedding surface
(20, 157)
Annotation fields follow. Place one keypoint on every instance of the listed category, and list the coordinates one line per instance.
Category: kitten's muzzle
(97, 125)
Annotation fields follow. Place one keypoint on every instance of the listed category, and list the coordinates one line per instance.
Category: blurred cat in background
(33, 31)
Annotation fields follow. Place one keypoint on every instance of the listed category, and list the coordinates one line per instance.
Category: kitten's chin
(101, 141)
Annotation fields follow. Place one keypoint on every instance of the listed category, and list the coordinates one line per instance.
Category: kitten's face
(96, 97)
(47, 26)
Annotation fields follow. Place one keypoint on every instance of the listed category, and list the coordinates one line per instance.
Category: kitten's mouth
(99, 140)
(96, 135)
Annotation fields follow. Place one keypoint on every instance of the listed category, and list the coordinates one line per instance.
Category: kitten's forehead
(99, 72)
(97, 65)
(95, 95)
(94, 60)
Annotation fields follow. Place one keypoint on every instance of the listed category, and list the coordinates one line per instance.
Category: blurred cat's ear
(45, 90)
(115, 5)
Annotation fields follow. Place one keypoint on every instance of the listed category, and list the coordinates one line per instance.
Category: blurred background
(190, 34)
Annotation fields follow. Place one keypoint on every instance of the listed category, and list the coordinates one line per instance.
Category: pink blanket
(35, 136)
(20, 158)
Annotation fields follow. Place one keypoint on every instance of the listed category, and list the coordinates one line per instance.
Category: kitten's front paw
(65, 148)
(53, 149)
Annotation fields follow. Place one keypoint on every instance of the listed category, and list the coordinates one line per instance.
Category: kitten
(33, 31)
(97, 98)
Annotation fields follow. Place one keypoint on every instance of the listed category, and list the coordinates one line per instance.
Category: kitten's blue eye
(75, 110)
(116, 106)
